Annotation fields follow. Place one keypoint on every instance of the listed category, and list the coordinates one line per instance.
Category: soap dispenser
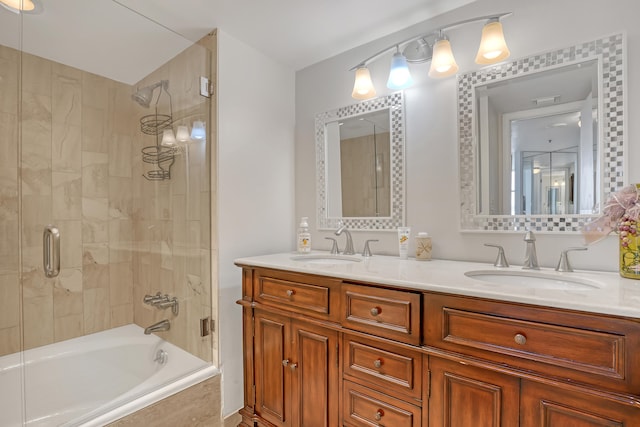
(304, 237)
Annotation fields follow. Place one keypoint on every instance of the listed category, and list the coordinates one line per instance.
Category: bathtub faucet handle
(153, 299)
(173, 303)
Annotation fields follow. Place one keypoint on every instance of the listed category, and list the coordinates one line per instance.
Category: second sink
(532, 279)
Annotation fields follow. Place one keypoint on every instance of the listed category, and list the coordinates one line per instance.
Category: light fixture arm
(434, 34)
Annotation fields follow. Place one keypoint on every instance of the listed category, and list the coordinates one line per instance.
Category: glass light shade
(493, 47)
(182, 134)
(399, 75)
(18, 5)
(363, 86)
(168, 138)
(198, 130)
(443, 64)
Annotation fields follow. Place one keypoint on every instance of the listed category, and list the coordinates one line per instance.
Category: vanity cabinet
(296, 371)
(321, 351)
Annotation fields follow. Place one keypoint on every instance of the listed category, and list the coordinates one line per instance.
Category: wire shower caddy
(161, 156)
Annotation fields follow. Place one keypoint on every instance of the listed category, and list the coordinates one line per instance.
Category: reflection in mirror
(358, 154)
(541, 138)
(360, 165)
(537, 139)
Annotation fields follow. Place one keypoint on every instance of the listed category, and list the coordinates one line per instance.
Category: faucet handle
(529, 236)
(501, 260)
(334, 246)
(366, 252)
(563, 263)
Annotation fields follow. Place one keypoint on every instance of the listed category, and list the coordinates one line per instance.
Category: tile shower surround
(81, 170)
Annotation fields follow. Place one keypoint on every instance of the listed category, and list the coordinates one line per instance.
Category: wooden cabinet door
(272, 360)
(546, 406)
(314, 376)
(463, 396)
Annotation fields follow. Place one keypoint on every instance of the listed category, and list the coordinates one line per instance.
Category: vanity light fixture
(22, 6)
(434, 47)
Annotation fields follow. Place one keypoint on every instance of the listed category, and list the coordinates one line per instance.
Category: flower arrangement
(621, 214)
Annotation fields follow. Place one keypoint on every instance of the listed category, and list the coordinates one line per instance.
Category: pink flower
(621, 206)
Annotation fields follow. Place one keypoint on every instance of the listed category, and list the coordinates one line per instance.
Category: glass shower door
(76, 165)
(11, 408)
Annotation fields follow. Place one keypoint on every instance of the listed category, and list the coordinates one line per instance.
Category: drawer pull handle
(290, 292)
(285, 362)
(375, 311)
(520, 339)
(293, 366)
(379, 414)
(377, 363)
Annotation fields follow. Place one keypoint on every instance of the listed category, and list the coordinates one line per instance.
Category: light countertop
(609, 294)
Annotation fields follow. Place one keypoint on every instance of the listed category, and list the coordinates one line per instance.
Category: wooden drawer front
(314, 296)
(561, 340)
(570, 347)
(386, 366)
(363, 407)
(382, 312)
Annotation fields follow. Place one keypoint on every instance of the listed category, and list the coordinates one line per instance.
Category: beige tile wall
(76, 174)
(9, 242)
(362, 190)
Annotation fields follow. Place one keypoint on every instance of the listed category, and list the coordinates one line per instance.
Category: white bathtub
(93, 380)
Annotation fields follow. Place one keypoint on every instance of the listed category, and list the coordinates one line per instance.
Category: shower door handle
(51, 251)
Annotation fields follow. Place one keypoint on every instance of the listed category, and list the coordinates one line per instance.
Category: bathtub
(95, 379)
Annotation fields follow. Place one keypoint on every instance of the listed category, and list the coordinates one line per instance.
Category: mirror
(537, 152)
(541, 139)
(360, 165)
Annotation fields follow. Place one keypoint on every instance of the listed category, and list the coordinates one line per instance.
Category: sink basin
(532, 279)
(326, 259)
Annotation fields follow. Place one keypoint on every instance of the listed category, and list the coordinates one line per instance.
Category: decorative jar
(629, 247)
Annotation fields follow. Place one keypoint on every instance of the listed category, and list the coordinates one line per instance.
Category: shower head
(145, 95)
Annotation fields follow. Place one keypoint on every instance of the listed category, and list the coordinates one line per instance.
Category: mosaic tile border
(611, 52)
(395, 104)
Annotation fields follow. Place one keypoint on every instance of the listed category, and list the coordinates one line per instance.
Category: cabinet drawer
(363, 407)
(588, 348)
(311, 295)
(384, 366)
(383, 312)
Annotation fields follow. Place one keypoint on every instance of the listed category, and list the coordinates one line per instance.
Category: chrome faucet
(348, 249)
(163, 325)
(530, 258)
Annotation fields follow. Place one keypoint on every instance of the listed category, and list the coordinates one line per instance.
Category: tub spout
(163, 325)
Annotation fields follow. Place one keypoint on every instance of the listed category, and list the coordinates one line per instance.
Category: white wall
(431, 122)
(256, 120)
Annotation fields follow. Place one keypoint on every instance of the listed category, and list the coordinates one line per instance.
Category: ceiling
(127, 39)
